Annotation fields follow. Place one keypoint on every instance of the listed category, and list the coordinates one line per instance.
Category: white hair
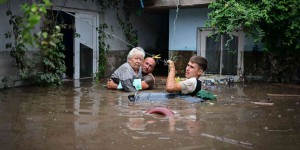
(134, 51)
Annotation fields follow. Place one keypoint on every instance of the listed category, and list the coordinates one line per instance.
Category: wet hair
(134, 51)
(200, 61)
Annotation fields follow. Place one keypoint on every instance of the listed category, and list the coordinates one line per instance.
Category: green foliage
(6, 82)
(103, 49)
(129, 32)
(48, 41)
(33, 15)
(2, 1)
(17, 48)
(274, 23)
(126, 26)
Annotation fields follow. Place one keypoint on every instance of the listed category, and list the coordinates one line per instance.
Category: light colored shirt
(188, 86)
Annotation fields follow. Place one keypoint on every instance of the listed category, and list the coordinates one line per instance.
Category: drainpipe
(142, 4)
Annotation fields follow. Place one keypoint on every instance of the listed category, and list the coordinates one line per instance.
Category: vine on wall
(46, 66)
(103, 49)
(129, 32)
(126, 26)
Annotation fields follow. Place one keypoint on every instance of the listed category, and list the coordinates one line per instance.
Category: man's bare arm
(171, 85)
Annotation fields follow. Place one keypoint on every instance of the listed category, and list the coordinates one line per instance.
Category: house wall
(7, 63)
(183, 34)
(183, 26)
(148, 32)
(186, 24)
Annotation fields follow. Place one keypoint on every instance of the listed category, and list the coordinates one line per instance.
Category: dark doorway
(161, 27)
(67, 23)
(86, 61)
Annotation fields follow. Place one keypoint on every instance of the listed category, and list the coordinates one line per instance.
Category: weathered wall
(8, 71)
(90, 5)
(253, 61)
(114, 60)
(151, 33)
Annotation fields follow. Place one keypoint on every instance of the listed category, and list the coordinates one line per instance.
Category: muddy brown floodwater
(84, 115)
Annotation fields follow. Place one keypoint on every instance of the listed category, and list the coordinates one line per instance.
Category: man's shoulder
(149, 79)
(190, 80)
(149, 74)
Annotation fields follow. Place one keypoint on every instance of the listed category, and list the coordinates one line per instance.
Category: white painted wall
(186, 24)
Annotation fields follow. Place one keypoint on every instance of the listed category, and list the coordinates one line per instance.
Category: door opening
(67, 21)
(86, 45)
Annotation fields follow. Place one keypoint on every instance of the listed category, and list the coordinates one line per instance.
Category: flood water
(84, 115)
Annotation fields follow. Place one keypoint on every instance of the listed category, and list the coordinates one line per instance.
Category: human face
(193, 70)
(136, 61)
(148, 65)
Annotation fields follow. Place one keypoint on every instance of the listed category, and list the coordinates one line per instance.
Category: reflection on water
(84, 115)
(86, 108)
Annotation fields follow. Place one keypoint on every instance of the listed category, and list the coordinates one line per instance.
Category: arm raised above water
(171, 85)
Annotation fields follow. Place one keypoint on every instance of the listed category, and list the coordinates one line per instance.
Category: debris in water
(235, 142)
(164, 138)
(284, 95)
(263, 103)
